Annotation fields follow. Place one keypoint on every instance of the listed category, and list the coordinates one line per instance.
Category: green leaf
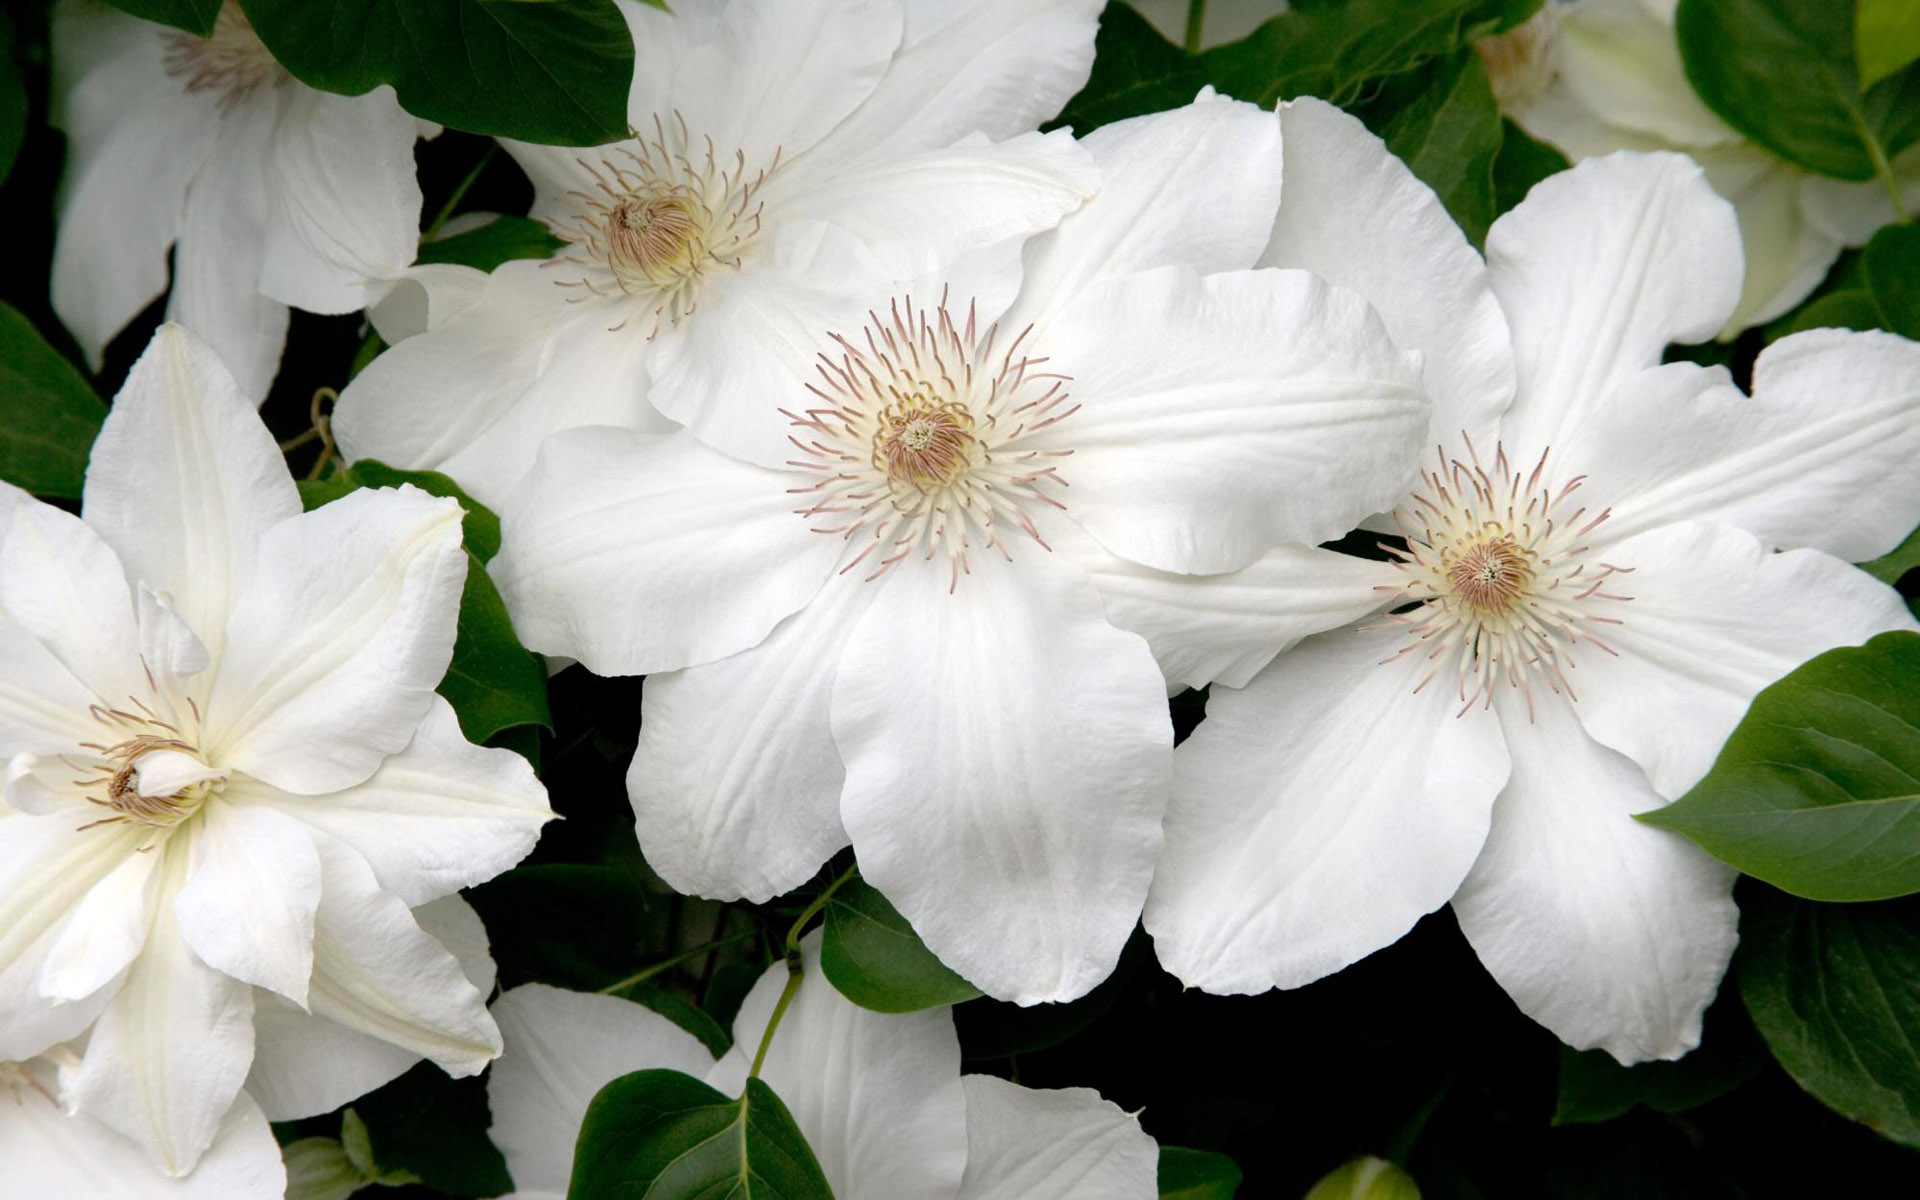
(554, 72)
(1886, 35)
(1890, 265)
(1818, 790)
(1135, 71)
(682, 1012)
(502, 239)
(1449, 132)
(1521, 163)
(1783, 73)
(1595, 1087)
(49, 416)
(434, 1129)
(667, 1136)
(480, 527)
(1835, 991)
(872, 955)
(1890, 567)
(194, 16)
(13, 102)
(1197, 1175)
(1366, 1179)
(1849, 308)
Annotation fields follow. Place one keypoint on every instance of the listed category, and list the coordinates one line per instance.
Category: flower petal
(877, 1095)
(1064, 1144)
(1788, 251)
(1354, 215)
(105, 930)
(62, 586)
(1007, 756)
(334, 650)
(1316, 816)
(247, 909)
(185, 481)
(1598, 269)
(561, 1048)
(1623, 60)
(635, 555)
(1222, 415)
(1611, 933)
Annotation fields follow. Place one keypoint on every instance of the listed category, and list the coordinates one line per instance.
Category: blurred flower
(1226, 20)
(228, 778)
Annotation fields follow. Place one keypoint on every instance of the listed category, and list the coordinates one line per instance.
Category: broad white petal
(1222, 415)
(1354, 215)
(43, 708)
(421, 298)
(185, 480)
(1598, 269)
(1611, 933)
(1788, 252)
(62, 586)
(635, 555)
(1064, 1144)
(561, 1048)
(1623, 60)
(440, 815)
(1008, 759)
(877, 1095)
(334, 650)
(1317, 815)
(736, 780)
(253, 882)
(106, 929)
(1715, 617)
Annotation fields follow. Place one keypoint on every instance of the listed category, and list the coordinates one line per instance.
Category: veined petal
(1624, 61)
(1222, 415)
(1611, 933)
(63, 586)
(1788, 252)
(1064, 1144)
(736, 780)
(106, 929)
(561, 1048)
(635, 555)
(252, 885)
(1354, 215)
(877, 1095)
(1598, 269)
(1007, 757)
(185, 481)
(336, 646)
(1317, 815)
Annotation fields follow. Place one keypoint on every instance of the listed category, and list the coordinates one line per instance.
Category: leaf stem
(1196, 17)
(812, 910)
(460, 191)
(667, 964)
(779, 1010)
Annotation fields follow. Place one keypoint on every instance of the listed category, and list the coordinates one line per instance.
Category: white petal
(1598, 269)
(42, 706)
(1317, 815)
(1196, 187)
(1788, 252)
(1714, 619)
(1007, 756)
(347, 205)
(1226, 414)
(336, 646)
(169, 649)
(62, 586)
(635, 555)
(736, 780)
(1611, 933)
(184, 481)
(252, 886)
(165, 772)
(105, 930)
(561, 1048)
(423, 297)
(441, 815)
(877, 1095)
(1354, 215)
(1624, 61)
(1064, 1144)
(168, 1055)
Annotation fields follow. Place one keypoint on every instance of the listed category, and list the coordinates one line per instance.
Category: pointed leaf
(49, 416)
(1890, 266)
(499, 240)
(1197, 1175)
(872, 955)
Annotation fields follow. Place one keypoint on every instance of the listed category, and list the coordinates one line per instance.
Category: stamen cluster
(231, 60)
(111, 781)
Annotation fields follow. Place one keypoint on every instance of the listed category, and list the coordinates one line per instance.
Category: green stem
(667, 964)
(1881, 167)
(813, 910)
(460, 192)
(779, 1010)
(1196, 17)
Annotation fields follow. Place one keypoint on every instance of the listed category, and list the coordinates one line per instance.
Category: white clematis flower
(879, 1097)
(929, 627)
(1225, 20)
(50, 1152)
(270, 193)
(228, 778)
(1593, 76)
(760, 128)
(1589, 599)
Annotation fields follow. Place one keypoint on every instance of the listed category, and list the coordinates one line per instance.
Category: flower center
(1520, 62)
(231, 60)
(922, 440)
(153, 776)
(1500, 578)
(661, 216)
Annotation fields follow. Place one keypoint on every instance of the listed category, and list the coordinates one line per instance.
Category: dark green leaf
(1521, 163)
(1197, 1175)
(499, 240)
(1783, 73)
(1886, 37)
(1890, 265)
(13, 102)
(194, 16)
(663, 1135)
(875, 959)
(1891, 566)
(1818, 790)
(1835, 991)
(1135, 71)
(555, 72)
(1449, 132)
(434, 1128)
(1595, 1087)
(1851, 308)
(682, 1012)
(49, 416)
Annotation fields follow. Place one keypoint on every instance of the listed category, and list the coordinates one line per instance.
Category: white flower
(761, 129)
(1589, 600)
(930, 631)
(50, 1152)
(270, 193)
(879, 1097)
(1594, 76)
(1226, 20)
(228, 778)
